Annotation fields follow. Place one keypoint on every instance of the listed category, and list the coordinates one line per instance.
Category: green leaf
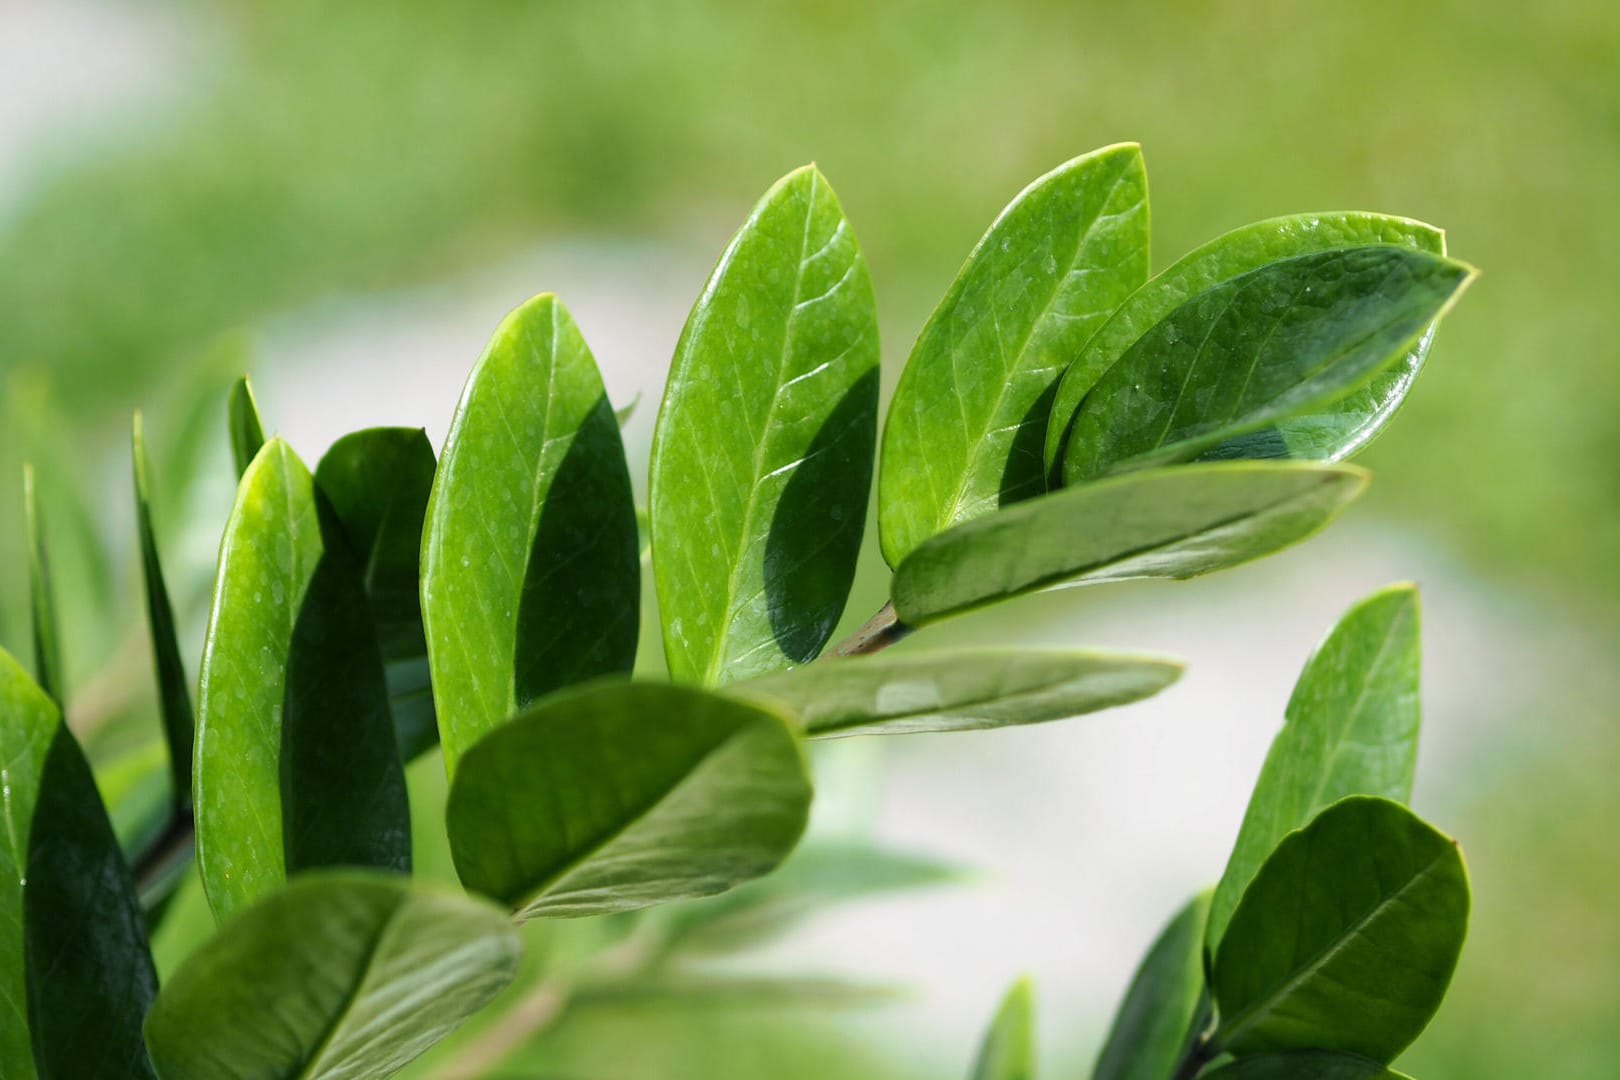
(378, 482)
(76, 976)
(174, 695)
(339, 974)
(960, 690)
(1351, 729)
(1267, 345)
(619, 796)
(762, 455)
(1166, 523)
(47, 635)
(1305, 1065)
(531, 576)
(967, 421)
(296, 765)
(1347, 937)
(1330, 434)
(247, 430)
(625, 412)
(1157, 1019)
(1008, 1050)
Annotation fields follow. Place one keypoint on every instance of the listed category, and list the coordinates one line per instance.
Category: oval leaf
(1257, 349)
(339, 974)
(1008, 1050)
(42, 599)
(378, 482)
(762, 455)
(296, 764)
(1351, 729)
(1305, 1065)
(531, 574)
(965, 690)
(246, 429)
(1347, 937)
(76, 975)
(1160, 1015)
(967, 421)
(1329, 435)
(1166, 523)
(620, 796)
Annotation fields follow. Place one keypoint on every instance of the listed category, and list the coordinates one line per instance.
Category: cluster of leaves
(1063, 420)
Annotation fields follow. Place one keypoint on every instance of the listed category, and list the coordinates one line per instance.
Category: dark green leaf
(1351, 729)
(1347, 937)
(962, 690)
(1008, 1050)
(378, 482)
(174, 695)
(247, 430)
(76, 976)
(1166, 523)
(762, 455)
(47, 635)
(1305, 1065)
(296, 765)
(1329, 434)
(1262, 347)
(339, 974)
(530, 568)
(619, 796)
(1156, 1020)
(967, 421)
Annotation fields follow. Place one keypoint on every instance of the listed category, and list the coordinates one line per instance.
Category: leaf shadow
(1024, 475)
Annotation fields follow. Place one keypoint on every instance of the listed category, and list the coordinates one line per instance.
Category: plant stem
(1198, 1055)
(171, 848)
(880, 631)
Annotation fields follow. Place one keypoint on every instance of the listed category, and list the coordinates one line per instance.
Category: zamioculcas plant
(1064, 420)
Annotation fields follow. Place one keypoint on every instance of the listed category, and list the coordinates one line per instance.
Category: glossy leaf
(968, 418)
(1347, 937)
(1008, 1050)
(42, 599)
(296, 765)
(378, 481)
(1304, 1065)
(962, 690)
(1351, 729)
(1289, 337)
(1328, 434)
(246, 429)
(339, 974)
(76, 975)
(530, 568)
(1157, 1019)
(174, 693)
(619, 796)
(762, 455)
(1167, 523)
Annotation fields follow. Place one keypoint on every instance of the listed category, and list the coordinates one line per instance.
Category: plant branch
(880, 631)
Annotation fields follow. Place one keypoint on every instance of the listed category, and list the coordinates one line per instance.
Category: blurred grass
(345, 149)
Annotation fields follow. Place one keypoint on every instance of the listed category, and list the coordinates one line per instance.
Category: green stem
(1198, 1055)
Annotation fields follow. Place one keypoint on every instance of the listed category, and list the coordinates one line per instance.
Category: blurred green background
(242, 165)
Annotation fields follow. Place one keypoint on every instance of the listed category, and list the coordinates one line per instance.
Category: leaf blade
(42, 599)
(1305, 1065)
(245, 427)
(1157, 1016)
(1008, 1049)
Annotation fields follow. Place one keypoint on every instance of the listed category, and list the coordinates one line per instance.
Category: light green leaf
(296, 765)
(1347, 937)
(1351, 729)
(625, 412)
(967, 421)
(76, 976)
(1008, 1050)
(1267, 345)
(960, 690)
(174, 694)
(42, 599)
(1305, 1065)
(622, 795)
(1327, 435)
(1158, 1018)
(1165, 523)
(530, 569)
(339, 974)
(246, 429)
(378, 481)
(762, 455)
